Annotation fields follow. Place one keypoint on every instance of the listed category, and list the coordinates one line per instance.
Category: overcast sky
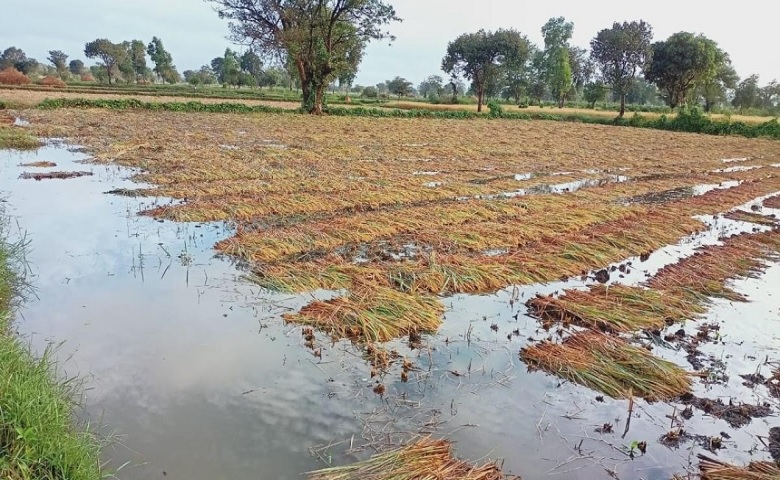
(194, 34)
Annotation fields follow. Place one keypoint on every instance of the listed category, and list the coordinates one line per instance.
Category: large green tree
(137, 54)
(715, 90)
(481, 56)
(621, 52)
(747, 94)
(682, 61)
(399, 86)
(76, 67)
(320, 38)
(163, 61)
(111, 54)
(252, 65)
(12, 57)
(559, 75)
(432, 87)
(59, 59)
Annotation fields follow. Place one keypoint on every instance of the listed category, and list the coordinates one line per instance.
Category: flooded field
(186, 297)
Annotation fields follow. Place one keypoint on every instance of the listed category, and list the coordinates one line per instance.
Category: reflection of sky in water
(168, 346)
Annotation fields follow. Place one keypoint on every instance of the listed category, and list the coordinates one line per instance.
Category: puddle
(738, 168)
(523, 176)
(20, 122)
(434, 184)
(681, 193)
(559, 188)
(425, 173)
(735, 160)
(197, 372)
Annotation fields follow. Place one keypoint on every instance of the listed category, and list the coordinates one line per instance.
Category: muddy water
(198, 377)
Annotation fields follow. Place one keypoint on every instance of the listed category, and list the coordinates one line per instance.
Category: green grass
(16, 139)
(38, 436)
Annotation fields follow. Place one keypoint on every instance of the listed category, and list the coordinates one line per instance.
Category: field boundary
(686, 120)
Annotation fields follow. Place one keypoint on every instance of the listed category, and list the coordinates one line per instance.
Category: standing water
(194, 374)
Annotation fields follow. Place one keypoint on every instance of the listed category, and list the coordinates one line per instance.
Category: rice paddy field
(347, 297)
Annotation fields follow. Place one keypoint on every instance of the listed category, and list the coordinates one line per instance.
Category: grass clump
(422, 460)
(373, 314)
(38, 439)
(712, 469)
(16, 139)
(615, 308)
(609, 365)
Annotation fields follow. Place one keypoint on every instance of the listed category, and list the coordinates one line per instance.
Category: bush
(496, 110)
(52, 82)
(12, 76)
(87, 77)
(370, 92)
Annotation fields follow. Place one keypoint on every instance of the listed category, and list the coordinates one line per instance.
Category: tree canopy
(682, 61)
(479, 57)
(163, 61)
(59, 59)
(109, 53)
(621, 52)
(321, 38)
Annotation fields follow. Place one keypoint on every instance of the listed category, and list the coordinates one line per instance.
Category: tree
(370, 92)
(431, 87)
(680, 62)
(595, 92)
(252, 65)
(347, 78)
(748, 94)
(137, 55)
(60, 61)
(109, 53)
(163, 61)
(76, 67)
(480, 56)
(582, 67)
(229, 68)
(321, 38)
(399, 86)
(715, 90)
(11, 57)
(27, 66)
(770, 97)
(620, 52)
(560, 75)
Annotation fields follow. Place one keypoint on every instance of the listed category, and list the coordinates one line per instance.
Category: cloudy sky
(194, 34)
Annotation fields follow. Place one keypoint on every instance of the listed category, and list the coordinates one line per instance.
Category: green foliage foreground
(38, 439)
(686, 120)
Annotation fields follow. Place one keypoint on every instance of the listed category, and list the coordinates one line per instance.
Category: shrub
(496, 110)
(87, 77)
(50, 81)
(12, 76)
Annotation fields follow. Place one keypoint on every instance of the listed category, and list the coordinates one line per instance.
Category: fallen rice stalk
(772, 202)
(712, 469)
(426, 459)
(609, 365)
(615, 308)
(373, 314)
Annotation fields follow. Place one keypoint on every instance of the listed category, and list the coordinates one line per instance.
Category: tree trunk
(561, 101)
(319, 94)
(480, 97)
(622, 105)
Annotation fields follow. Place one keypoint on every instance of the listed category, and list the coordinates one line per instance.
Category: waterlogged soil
(196, 376)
